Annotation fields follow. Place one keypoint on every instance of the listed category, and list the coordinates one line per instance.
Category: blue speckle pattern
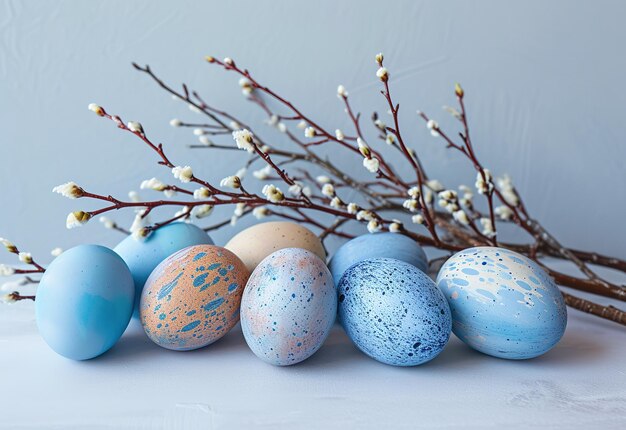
(288, 307)
(142, 257)
(393, 312)
(503, 304)
(84, 301)
(377, 245)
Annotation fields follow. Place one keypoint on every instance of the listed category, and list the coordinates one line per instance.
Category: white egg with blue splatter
(393, 312)
(288, 307)
(503, 304)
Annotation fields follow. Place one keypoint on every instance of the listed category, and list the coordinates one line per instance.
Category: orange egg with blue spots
(192, 298)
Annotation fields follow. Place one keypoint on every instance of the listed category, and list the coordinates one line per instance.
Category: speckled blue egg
(378, 245)
(288, 307)
(393, 312)
(143, 256)
(84, 301)
(503, 304)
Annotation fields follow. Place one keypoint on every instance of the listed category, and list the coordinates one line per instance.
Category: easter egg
(393, 312)
(378, 245)
(257, 242)
(288, 307)
(84, 301)
(192, 298)
(503, 304)
(143, 256)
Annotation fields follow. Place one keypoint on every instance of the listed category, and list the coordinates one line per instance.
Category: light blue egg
(142, 257)
(288, 307)
(84, 301)
(378, 245)
(393, 312)
(503, 304)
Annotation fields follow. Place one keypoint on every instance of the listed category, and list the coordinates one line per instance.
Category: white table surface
(580, 384)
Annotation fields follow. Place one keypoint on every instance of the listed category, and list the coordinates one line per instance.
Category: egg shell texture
(142, 256)
(377, 245)
(255, 243)
(393, 312)
(503, 304)
(193, 297)
(84, 301)
(288, 307)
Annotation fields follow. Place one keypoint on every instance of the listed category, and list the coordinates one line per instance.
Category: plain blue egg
(142, 257)
(393, 312)
(84, 301)
(378, 245)
(503, 304)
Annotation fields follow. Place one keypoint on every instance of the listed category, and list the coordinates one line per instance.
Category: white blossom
(141, 234)
(244, 139)
(418, 219)
(382, 74)
(152, 184)
(107, 222)
(390, 139)
(295, 189)
(395, 226)
(428, 196)
(353, 208)
(56, 252)
(175, 122)
(6, 270)
(201, 193)
(205, 141)
(433, 126)
(328, 190)
(485, 185)
(508, 190)
(282, 127)
(76, 219)
(461, 217)
(373, 226)
(228, 61)
(96, 109)
(488, 229)
(467, 191)
(341, 92)
(8, 245)
(503, 212)
(307, 191)
(381, 125)
(183, 174)
(364, 215)
(322, 179)
(452, 111)
(233, 220)
(134, 196)
(260, 212)
(414, 192)
(371, 164)
(302, 125)
(339, 135)
(336, 203)
(246, 86)
(169, 193)
(411, 205)
(263, 173)
(198, 132)
(182, 215)
(194, 108)
(13, 285)
(435, 185)
(202, 211)
(363, 148)
(135, 127)
(309, 132)
(139, 221)
(231, 182)
(379, 58)
(25, 257)
(8, 298)
(239, 209)
(69, 190)
(448, 194)
(273, 193)
(234, 125)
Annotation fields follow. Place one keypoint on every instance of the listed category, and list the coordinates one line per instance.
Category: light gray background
(544, 83)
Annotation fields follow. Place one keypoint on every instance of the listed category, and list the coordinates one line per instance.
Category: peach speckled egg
(192, 298)
(257, 242)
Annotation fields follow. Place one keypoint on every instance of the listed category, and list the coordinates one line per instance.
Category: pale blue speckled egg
(378, 245)
(393, 312)
(84, 301)
(288, 307)
(503, 304)
(143, 256)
